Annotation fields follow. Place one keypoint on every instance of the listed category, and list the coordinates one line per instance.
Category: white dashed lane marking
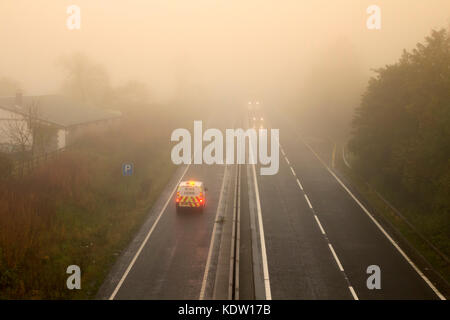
(320, 225)
(335, 257)
(307, 200)
(322, 230)
(293, 172)
(353, 293)
(299, 184)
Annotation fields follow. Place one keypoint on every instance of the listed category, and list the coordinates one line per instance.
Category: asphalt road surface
(299, 234)
(320, 241)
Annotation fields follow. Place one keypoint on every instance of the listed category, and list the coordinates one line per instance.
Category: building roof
(59, 110)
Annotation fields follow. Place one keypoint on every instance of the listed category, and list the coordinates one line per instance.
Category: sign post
(127, 171)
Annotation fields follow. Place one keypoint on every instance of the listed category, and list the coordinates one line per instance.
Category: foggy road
(320, 241)
(302, 235)
(313, 137)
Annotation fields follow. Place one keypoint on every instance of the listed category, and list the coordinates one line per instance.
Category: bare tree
(17, 131)
(20, 128)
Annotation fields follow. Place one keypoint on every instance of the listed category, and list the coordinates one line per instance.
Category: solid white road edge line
(147, 237)
(208, 260)
(261, 236)
(353, 293)
(411, 263)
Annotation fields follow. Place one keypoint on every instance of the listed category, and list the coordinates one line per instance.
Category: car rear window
(189, 191)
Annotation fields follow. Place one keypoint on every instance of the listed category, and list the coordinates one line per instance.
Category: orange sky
(258, 47)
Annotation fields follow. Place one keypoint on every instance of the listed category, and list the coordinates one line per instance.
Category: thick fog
(234, 49)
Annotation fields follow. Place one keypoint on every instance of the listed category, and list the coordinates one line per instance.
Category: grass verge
(417, 230)
(78, 209)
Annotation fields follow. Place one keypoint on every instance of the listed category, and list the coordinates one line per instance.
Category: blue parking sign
(127, 169)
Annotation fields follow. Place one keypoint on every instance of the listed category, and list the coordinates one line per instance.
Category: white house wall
(62, 138)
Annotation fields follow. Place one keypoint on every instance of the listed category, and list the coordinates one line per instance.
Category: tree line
(401, 130)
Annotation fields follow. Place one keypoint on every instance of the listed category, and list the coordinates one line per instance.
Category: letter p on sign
(127, 169)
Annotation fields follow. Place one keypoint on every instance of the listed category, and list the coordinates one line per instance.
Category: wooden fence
(23, 167)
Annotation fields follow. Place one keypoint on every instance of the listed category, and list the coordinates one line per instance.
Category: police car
(190, 194)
